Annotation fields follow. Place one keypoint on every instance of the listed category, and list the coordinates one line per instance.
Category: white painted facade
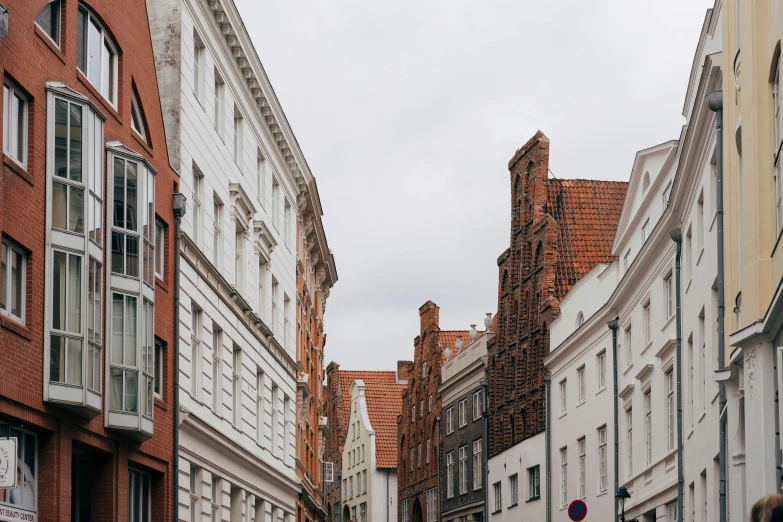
(366, 488)
(242, 173)
(582, 422)
(521, 460)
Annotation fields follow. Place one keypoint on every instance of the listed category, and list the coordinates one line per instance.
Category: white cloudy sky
(408, 112)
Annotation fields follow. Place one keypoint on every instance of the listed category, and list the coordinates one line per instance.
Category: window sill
(98, 96)
(714, 220)
(647, 347)
(601, 390)
(159, 403)
(690, 433)
(49, 43)
(701, 254)
(497, 511)
(777, 242)
(628, 369)
(533, 499)
(668, 321)
(688, 286)
(513, 505)
(146, 146)
(562, 414)
(602, 493)
(16, 327)
(701, 417)
(580, 403)
(18, 169)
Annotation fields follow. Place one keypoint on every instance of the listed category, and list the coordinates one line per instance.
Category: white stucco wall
(518, 459)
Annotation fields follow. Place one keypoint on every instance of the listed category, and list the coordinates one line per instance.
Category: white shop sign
(10, 513)
(8, 462)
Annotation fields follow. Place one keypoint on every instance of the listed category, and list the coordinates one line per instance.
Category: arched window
(646, 182)
(97, 55)
(580, 319)
(48, 20)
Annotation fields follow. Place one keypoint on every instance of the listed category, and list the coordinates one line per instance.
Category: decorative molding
(241, 207)
(750, 371)
(645, 372)
(627, 391)
(265, 242)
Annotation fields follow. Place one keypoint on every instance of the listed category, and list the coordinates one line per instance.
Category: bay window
(74, 273)
(96, 55)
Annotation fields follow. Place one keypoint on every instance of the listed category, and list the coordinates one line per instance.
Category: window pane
(117, 253)
(131, 391)
(116, 389)
(75, 135)
(17, 280)
(76, 210)
(131, 195)
(21, 113)
(74, 294)
(117, 326)
(129, 357)
(6, 113)
(74, 371)
(94, 42)
(81, 47)
(56, 348)
(61, 138)
(49, 20)
(119, 193)
(59, 265)
(132, 256)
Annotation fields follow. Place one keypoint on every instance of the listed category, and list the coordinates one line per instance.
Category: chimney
(404, 370)
(429, 315)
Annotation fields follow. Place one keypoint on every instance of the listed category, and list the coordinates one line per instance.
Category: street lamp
(622, 495)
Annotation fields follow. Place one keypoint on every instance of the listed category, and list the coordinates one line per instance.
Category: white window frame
(196, 194)
(196, 327)
(628, 340)
(581, 446)
(563, 396)
(603, 460)
(236, 389)
(8, 287)
(534, 483)
(463, 413)
(160, 352)
(478, 406)
(137, 117)
(199, 52)
(449, 474)
(450, 420)
(217, 232)
(139, 479)
(667, 192)
(56, 17)
(497, 491)
(513, 486)
(107, 85)
(15, 139)
(648, 423)
(563, 477)
(404, 508)
(668, 293)
(629, 439)
(601, 369)
(646, 322)
(219, 102)
(645, 230)
(239, 136)
(217, 369)
(463, 470)
(580, 378)
(160, 249)
(478, 464)
(670, 407)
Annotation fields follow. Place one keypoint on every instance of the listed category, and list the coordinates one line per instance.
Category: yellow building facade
(753, 134)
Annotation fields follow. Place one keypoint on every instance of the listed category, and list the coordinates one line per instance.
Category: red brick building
(560, 229)
(418, 430)
(338, 410)
(87, 312)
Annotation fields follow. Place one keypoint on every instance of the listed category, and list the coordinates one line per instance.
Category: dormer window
(97, 56)
(48, 20)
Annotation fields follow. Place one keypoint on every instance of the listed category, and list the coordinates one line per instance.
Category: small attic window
(137, 121)
(646, 182)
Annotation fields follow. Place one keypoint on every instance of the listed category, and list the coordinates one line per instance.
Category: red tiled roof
(384, 404)
(449, 338)
(588, 212)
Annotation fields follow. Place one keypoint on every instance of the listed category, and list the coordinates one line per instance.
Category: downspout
(547, 395)
(613, 327)
(485, 444)
(715, 103)
(440, 441)
(178, 206)
(676, 236)
(388, 499)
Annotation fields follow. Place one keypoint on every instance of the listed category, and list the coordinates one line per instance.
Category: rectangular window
(286, 320)
(13, 280)
(670, 408)
(261, 176)
(628, 347)
(700, 221)
(124, 366)
(603, 472)
(429, 404)
(15, 107)
(159, 355)
(478, 406)
(626, 260)
(239, 256)
(563, 477)
(449, 421)
(671, 511)
(196, 196)
(198, 67)
(421, 409)
(350, 486)
(426, 452)
(125, 226)
(288, 230)
(432, 505)
(404, 509)
(217, 231)
(629, 439)
(275, 203)
(287, 446)
(220, 102)
(513, 486)
(140, 496)
(449, 475)
(648, 424)
(497, 493)
(691, 380)
(702, 362)
(418, 457)
(463, 413)
(274, 297)
(463, 470)
(238, 137)
(668, 295)
(534, 482)
(688, 262)
(645, 231)
(646, 318)
(217, 373)
(65, 355)
(195, 350)
(236, 390)
(601, 365)
(215, 498)
(582, 456)
(363, 512)
(580, 379)
(67, 196)
(563, 396)
(194, 504)
(478, 467)
(413, 414)
(96, 57)
(160, 248)
(259, 407)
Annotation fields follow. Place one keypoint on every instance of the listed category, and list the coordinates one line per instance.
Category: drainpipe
(547, 395)
(440, 441)
(715, 103)
(178, 201)
(388, 499)
(676, 236)
(485, 446)
(613, 327)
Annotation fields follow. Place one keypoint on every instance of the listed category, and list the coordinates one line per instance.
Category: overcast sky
(408, 112)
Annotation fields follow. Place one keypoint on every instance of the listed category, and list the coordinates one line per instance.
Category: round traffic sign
(577, 511)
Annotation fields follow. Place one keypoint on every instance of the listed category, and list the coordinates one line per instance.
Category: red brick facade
(560, 229)
(29, 59)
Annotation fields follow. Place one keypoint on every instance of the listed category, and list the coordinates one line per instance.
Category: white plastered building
(242, 173)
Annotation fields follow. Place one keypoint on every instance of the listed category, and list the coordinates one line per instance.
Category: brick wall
(29, 59)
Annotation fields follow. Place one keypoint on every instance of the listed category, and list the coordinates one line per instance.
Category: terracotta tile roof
(348, 376)
(449, 338)
(588, 212)
(384, 404)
